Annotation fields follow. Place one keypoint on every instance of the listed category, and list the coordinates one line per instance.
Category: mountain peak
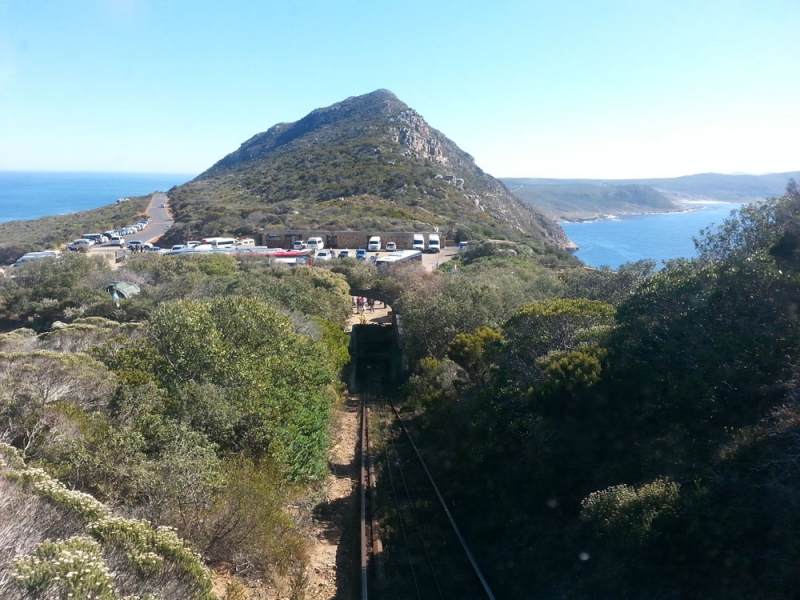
(373, 163)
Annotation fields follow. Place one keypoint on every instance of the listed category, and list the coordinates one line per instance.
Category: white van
(418, 243)
(219, 242)
(315, 243)
(433, 242)
(246, 242)
(374, 243)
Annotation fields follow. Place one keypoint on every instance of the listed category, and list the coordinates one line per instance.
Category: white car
(345, 254)
(81, 244)
(117, 240)
(323, 255)
(391, 247)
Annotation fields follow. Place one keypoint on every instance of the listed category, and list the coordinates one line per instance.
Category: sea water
(30, 195)
(613, 242)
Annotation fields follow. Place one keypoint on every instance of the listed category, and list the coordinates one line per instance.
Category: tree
(281, 384)
(606, 285)
(551, 326)
(469, 351)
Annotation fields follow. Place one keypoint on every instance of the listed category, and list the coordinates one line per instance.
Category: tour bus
(219, 242)
(36, 255)
(401, 256)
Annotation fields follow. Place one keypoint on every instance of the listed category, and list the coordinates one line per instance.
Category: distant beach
(30, 194)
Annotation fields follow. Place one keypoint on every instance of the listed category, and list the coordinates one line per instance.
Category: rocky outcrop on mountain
(368, 162)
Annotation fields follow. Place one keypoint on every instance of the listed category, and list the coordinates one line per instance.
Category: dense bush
(638, 437)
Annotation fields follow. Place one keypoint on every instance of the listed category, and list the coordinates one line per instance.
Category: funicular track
(410, 544)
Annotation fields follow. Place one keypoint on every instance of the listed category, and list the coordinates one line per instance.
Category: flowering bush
(74, 567)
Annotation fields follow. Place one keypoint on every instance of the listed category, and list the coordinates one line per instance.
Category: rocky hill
(367, 163)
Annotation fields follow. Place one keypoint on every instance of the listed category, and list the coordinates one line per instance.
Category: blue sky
(530, 88)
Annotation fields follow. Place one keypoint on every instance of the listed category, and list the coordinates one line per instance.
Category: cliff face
(368, 158)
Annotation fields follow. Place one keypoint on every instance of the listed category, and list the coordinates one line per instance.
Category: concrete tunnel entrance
(375, 350)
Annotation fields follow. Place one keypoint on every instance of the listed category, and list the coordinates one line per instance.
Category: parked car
(152, 248)
(315, 243)
(391, 247)
(97, 238)
(361, 254)
(323, 255)
(135, 244)
(179, 247)
(117, 240)
(345, 254)
(299, 245)
(81, 244)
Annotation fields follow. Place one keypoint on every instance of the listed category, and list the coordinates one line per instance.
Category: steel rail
(400, 518)
(364, 588)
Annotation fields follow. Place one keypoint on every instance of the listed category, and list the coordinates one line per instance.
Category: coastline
(681, 206)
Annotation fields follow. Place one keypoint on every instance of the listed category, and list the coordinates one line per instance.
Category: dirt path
(333, 572)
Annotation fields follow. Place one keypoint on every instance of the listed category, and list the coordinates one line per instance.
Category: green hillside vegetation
(627, 434)
(202, 404)
(574, 202)
(367, 163)
(19, 237)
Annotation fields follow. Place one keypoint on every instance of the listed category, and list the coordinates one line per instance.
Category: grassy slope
(19, 237)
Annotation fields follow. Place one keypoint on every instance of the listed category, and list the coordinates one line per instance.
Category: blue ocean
(30, 195)
(659, 237)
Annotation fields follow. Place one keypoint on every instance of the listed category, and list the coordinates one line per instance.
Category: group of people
(361, 304)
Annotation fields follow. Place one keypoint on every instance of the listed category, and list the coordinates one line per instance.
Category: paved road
(160, 222)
